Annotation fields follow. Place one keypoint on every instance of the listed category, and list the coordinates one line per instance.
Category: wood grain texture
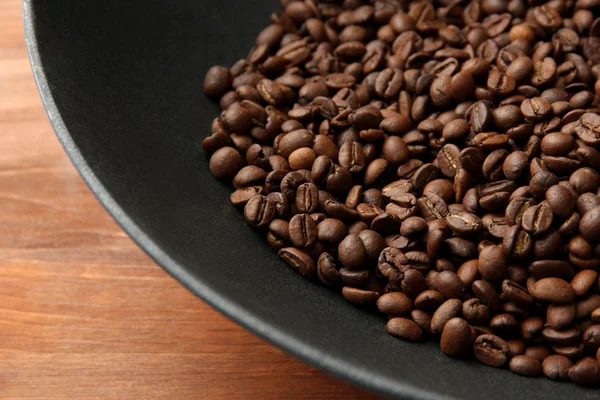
(84, 313)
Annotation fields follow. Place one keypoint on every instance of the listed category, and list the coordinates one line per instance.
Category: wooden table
(82, 309)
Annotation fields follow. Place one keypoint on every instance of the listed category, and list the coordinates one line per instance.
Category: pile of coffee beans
(435, 159)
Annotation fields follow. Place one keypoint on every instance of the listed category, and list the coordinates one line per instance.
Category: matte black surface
(122, 85)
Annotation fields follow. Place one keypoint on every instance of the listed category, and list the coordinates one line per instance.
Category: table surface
(84, 313)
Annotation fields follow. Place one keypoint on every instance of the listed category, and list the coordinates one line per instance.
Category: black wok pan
(121, 81)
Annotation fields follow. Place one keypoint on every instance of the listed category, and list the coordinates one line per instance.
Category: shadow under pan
(122, 85)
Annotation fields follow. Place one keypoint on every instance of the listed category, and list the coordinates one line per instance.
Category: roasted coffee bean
(429, 300)
(561, 201)
(526, 366)
(557, 367)
(405, 329)
(536, 109)
(517, 243)
(491, 350)
(359, 297)
(548, 245)
(445, 312)
(385, 224)
(516, 293)
(457, 337)
(307, 198)
(373, 243)
(487, 294)
(586, 202)
(226, 162)
(432, 206)
(537, 219)
(374, 171)
(539, 353)
(298, 260)
(413, 226)
(282, 205)
(492, 263)
(514, 165)
(553, 290)
(475, 312)
(351, 252)
(442, 188)
(395, 303)
(464, 223)
(583, 281)
(588, 129)
(395, 150)
(327, 270)
(449, 160)
(331, 230)
(589, 226)
(587, 305)
(585, 180)
(461, 248)
(241, 196)
(449, 285)
(259, 211)
(585, 372)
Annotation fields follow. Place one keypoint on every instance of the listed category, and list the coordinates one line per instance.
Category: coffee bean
(456, 338)
(242, 195)
(589, 226)
(327, 270)
(395, 303)
(475, 312)
(442, 188)
(583, 281)
(553, 290)
(449, 285)
(259, 211)
(539, 353)
(493, 264)
(302, 230)
(298, 260)
(359, 296)
(217, 81)
(405, 329)
(432, 206)
(487, 294)
(491, 350)
(584, 307)
(373, 243)
(425, 174)
(374, 171)
(449, 160)
(585, 180)
(307, 197)
(537, 219)
(587, 202)
(561, 201)
(389, 82)
(585, 372)
(281, 202)
(557, 367)
(588, 129)
(395, 150)
(516, 293)
(517, 243)
(536, 109)
(351, 252)
(526, 366)
(429, 300)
